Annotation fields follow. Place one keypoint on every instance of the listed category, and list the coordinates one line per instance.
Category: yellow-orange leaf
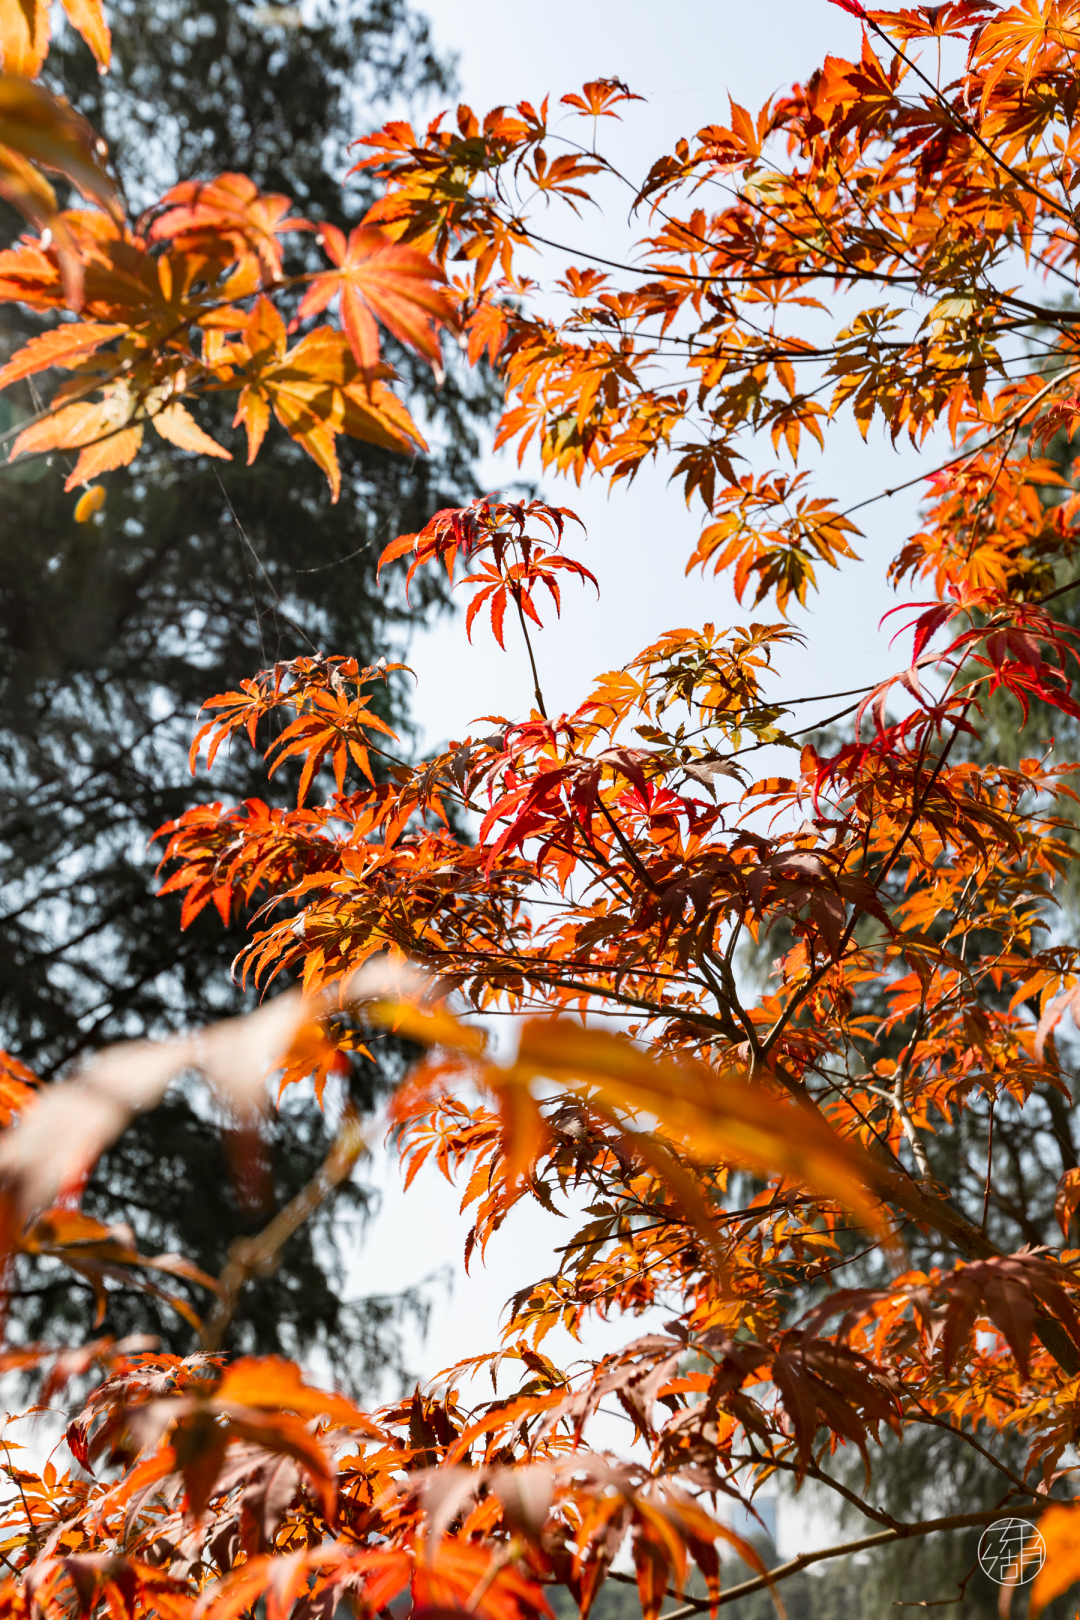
(38, 130)
(1067, 1200)
(17, 1087)
(89, 502)
(58, 348)
(253, 411)
(273, 1383)
(25, 32)
(714, 1116)
(103, 432)
(176, 424)
(48, 131)
(24, 36)
(116, 450)
(378, 277)
(1060, 1530)
(88, 16)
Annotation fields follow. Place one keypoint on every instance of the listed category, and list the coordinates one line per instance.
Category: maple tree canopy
(739, 1150)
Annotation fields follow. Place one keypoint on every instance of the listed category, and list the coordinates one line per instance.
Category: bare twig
(257, 1255)
(884, 1538)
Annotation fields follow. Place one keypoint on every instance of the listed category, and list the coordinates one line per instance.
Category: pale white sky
(684, 57)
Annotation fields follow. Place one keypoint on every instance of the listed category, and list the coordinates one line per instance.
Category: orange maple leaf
(378, 277)
(25, 33)
(231, 206)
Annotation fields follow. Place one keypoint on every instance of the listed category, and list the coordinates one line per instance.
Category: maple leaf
(59, 347)
(97, 1252)
(555, 176)
(1059, 1528)
(39, 130)
(17, 1087)
(45, 129)
(25, 33)
(176, 424)
(123, 1584)
(1053, 1013)
(317, 390)
(1067, 1200)
(378, 1577)
(24, 37)
(376, 277)
(272, 1382)
(933, 22)
(109, 432)
(230, 206)
(88, 18)
(749, 1123)
(1005, 1290)
(599, 98)
(277, 1580)
(105, 434)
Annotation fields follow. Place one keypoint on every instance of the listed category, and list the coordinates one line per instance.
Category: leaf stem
(250, 1256)
(516, 594)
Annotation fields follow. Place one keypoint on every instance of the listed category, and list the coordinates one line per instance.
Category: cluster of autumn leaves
(192, 299)
(736, 1151)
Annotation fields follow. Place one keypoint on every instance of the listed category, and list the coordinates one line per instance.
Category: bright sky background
(684, 57)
